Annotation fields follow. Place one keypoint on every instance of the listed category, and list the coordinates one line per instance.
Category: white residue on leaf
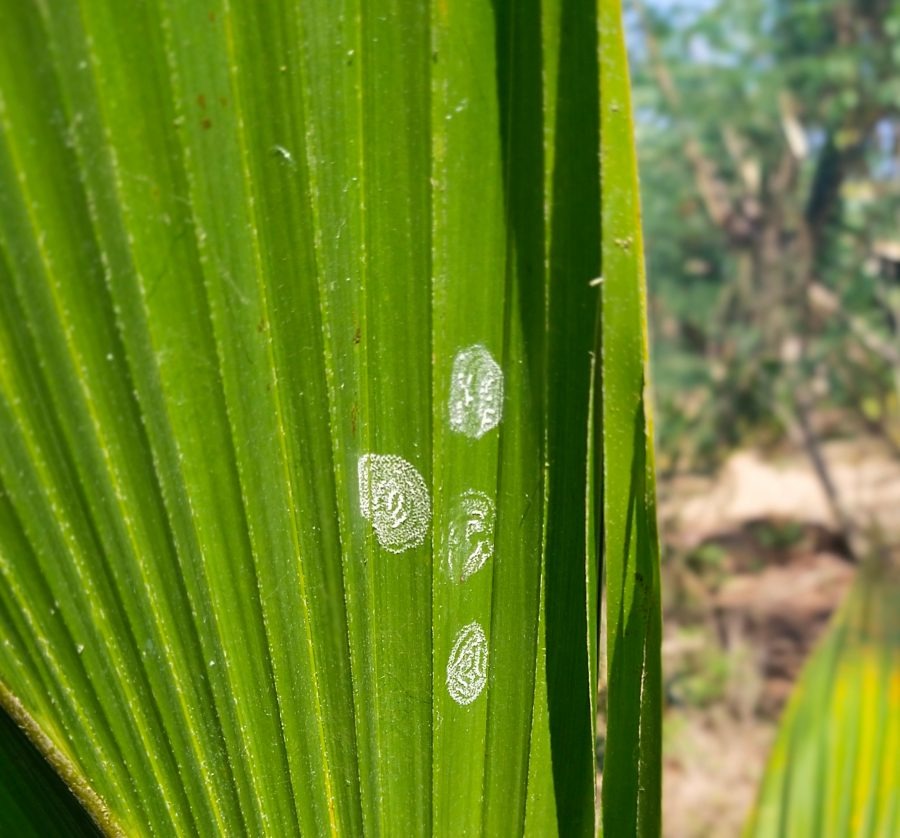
(467, 667)
(394, 497)
(476, 392)
(470, 540)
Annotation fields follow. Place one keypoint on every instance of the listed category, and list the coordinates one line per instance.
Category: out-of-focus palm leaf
(241, 246)
(835, 768)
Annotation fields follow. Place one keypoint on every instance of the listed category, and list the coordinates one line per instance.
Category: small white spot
(476, 392)
(284, 155)
(394, 497)
(212, 663)
(79, 648)
(470, 541)
(467, 667)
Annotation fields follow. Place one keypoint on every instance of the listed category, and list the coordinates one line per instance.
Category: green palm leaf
(296, 323)
(835, 767)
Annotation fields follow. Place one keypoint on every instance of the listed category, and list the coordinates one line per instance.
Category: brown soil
(753, 569)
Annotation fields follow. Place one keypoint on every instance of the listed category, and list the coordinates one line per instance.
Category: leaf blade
(243, 249)
(632, 764)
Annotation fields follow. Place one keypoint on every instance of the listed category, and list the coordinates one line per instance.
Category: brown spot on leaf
(206, 122)
(201, 101)
(357, 335)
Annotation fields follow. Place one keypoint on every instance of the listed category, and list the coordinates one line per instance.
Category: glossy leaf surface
(296, 331)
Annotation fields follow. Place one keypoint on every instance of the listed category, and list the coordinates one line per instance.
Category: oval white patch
(476, 392)
(470, 541)
(467, 667)
(394, 497)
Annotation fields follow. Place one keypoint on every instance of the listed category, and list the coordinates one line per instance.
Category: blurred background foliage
(769, 136)
(769, 145)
